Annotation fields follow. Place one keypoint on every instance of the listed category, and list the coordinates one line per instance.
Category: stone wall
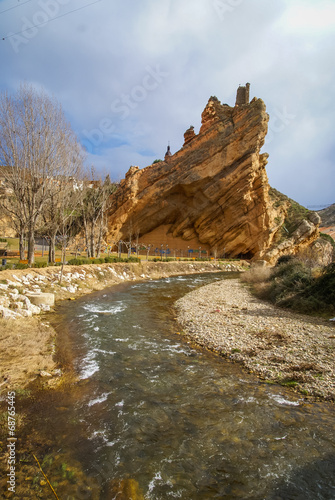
(243, 95)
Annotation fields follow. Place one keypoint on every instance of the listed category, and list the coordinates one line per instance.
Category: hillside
(328, 216)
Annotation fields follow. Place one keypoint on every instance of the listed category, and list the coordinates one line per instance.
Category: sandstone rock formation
(213, 194)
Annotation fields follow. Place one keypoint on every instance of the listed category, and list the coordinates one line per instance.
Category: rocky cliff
(212, 195)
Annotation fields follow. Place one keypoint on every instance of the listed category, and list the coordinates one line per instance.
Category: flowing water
(178, 421)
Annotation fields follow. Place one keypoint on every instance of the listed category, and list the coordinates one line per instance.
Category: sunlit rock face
(212, 194)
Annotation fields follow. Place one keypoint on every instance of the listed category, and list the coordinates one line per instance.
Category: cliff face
(213, 194)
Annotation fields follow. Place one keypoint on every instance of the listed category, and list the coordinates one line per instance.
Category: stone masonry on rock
(242, 95)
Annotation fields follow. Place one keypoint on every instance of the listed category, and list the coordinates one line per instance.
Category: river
(170, 420)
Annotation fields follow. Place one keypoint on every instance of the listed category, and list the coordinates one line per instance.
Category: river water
(178, 421)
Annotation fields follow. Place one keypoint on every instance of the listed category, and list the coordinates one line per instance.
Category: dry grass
(256, 274)
(26, 349)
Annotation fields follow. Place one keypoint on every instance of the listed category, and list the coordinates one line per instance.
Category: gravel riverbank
(277, 345)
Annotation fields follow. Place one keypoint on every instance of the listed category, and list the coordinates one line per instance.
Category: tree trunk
(100, 236)
(87, 241)
(21, 245)
(31, 245)
(64, 239)
(92, 240)
(64, 249)
(52, 249)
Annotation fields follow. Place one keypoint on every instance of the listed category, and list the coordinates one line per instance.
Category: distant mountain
(327, 216)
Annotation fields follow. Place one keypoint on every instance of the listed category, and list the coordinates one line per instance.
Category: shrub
(131, 259)
(21, 266)
(293, 286)
(110, 259)
(40, 264)
(323, 287)
(101, 260)
(97, 261)
(284, 259)
(7, 266)
(79, 262)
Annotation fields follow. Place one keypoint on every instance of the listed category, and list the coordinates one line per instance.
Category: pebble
(273, 343)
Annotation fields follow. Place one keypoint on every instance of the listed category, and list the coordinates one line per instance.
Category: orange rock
(212, 195)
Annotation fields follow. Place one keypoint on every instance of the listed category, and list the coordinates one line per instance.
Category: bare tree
(61, 211)
(37, 145)
(94, 207)
(106, 189)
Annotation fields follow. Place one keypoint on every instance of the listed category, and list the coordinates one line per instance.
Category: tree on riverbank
(40, 151)
(95, 202)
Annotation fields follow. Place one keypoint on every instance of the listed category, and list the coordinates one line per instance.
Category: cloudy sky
(132, 75)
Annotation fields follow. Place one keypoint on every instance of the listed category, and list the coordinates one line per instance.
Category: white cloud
(99, 55)
(306, 17)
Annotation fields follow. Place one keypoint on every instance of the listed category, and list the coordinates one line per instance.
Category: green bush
(284, 259)
(101, 260)
(7, 266)
(79, 262)
(97, 261)
(21, 266)
(131, 259)
(110, 259)
(40, 264)
(292, 285)
(323, 287)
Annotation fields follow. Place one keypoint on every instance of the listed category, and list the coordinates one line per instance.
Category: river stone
(39, 298)
(7, 313)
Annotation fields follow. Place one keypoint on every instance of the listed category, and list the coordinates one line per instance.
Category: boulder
(41, 298)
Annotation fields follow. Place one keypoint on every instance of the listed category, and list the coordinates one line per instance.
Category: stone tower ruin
(168, 154)
(242, 95)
